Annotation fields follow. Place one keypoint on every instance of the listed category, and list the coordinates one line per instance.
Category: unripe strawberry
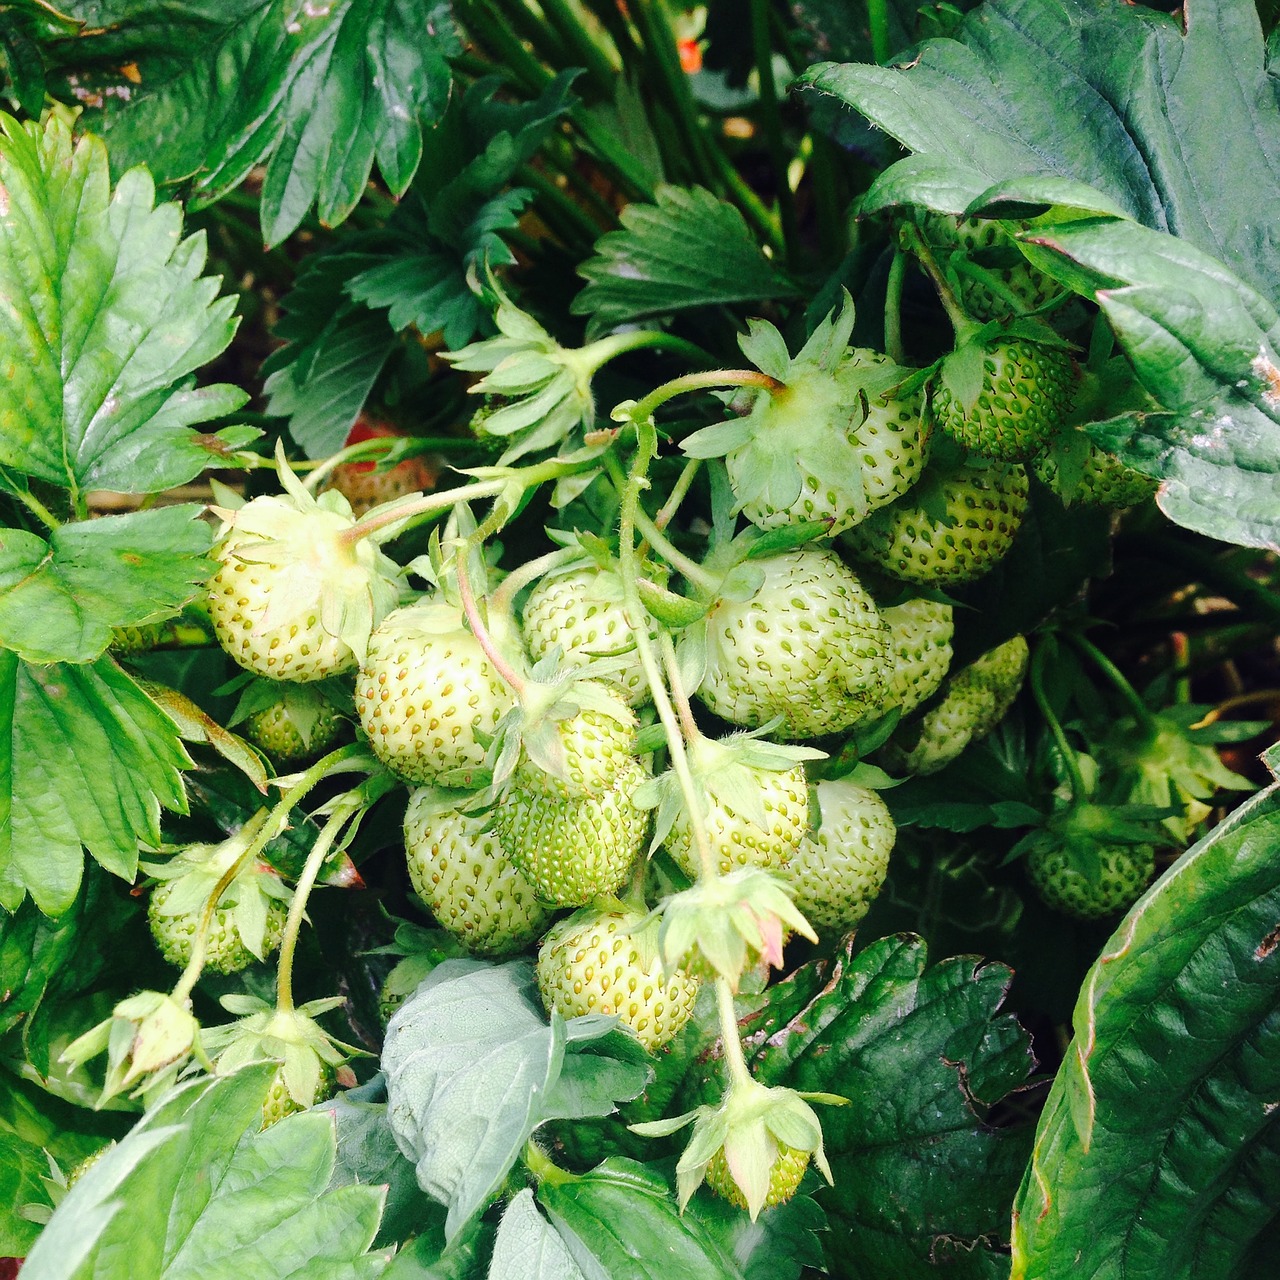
(583, 753)
(427, 695)
(839, 868)
(920, 644)
(279, 732)
(1090, 475)
(293, 598)
(460, 871)
(808, 646)
(785, 1176)
(1119, 876)
(175, 932)
(574, 850)
(976, 701)
(1008, 407)
(828, 441)
(249, 919)
(1007, 284)
(737, 840)
(595, 962)
(952, 528)
(580, 611)
(279, 1102)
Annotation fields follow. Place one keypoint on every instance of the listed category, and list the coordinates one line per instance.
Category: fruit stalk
(1116, 678)
(346, 808)
(478, 629)
(1079, 792)
(646, 449)
(735, 1062)
(273, 822)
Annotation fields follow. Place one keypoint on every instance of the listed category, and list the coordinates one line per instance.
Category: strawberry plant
(639, 640)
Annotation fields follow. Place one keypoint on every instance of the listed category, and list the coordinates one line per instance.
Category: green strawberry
(830, 443)
(920, 644)
(1116, 876)
(754, 801)
(600, 961)
(1004, 282)
(310, 1059)
(567, 735)
(785, 1175)
(249, 919)
(808, 646)
(580, 611)
(573, 850)
(290, 722)
(976, 700)
(1003, 397)
(428, 697)
(1078, 471)
(952, 528)
(839, 868)
(292, 598)
(460, 871)
(174, 932)
(279, 1102)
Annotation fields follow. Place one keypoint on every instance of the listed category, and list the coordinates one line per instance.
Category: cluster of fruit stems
(670, 698)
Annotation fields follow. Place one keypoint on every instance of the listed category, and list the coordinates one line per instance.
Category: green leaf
(528, 1247)
(194, 1191)
(60, 599)
(108, 317)
(688, 249)
(1156, 1153)
(334, 352)
(317, 92)
(86, 758)
(473, 1068)
(933, 1042)
(781, 1243)
(1204, 344)
(1146, 119)
(621, 1221)
(22, 1165)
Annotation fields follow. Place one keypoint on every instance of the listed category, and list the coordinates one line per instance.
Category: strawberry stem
(728, 1015)
(654, 536)
(678, 492)
(893, 345)
(647, 448)
(1116, 678)
(1079, 792)
(346, 808)
(599, 353)
(478, 629)
(274, 822)
(643, 410)
(543, 1168)
(964, 326)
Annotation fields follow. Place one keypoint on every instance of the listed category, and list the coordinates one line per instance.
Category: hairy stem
(1079, 792)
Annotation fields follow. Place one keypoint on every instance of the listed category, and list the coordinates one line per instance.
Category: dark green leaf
(620, 1220)
(1145, 119)
(1157, 1153)
(473, 1068)
(1205, 345)
(921, 1055)
(686, 250)
(60, 599)
(108, 317)
(22, 1165)
(23, 63)
(195, 1191)
(779, 1245)
(318, 92)
(334, 352)
(86, 758)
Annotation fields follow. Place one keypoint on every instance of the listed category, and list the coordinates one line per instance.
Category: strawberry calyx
(798, 455)
(756, 1136)
(724, 925)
